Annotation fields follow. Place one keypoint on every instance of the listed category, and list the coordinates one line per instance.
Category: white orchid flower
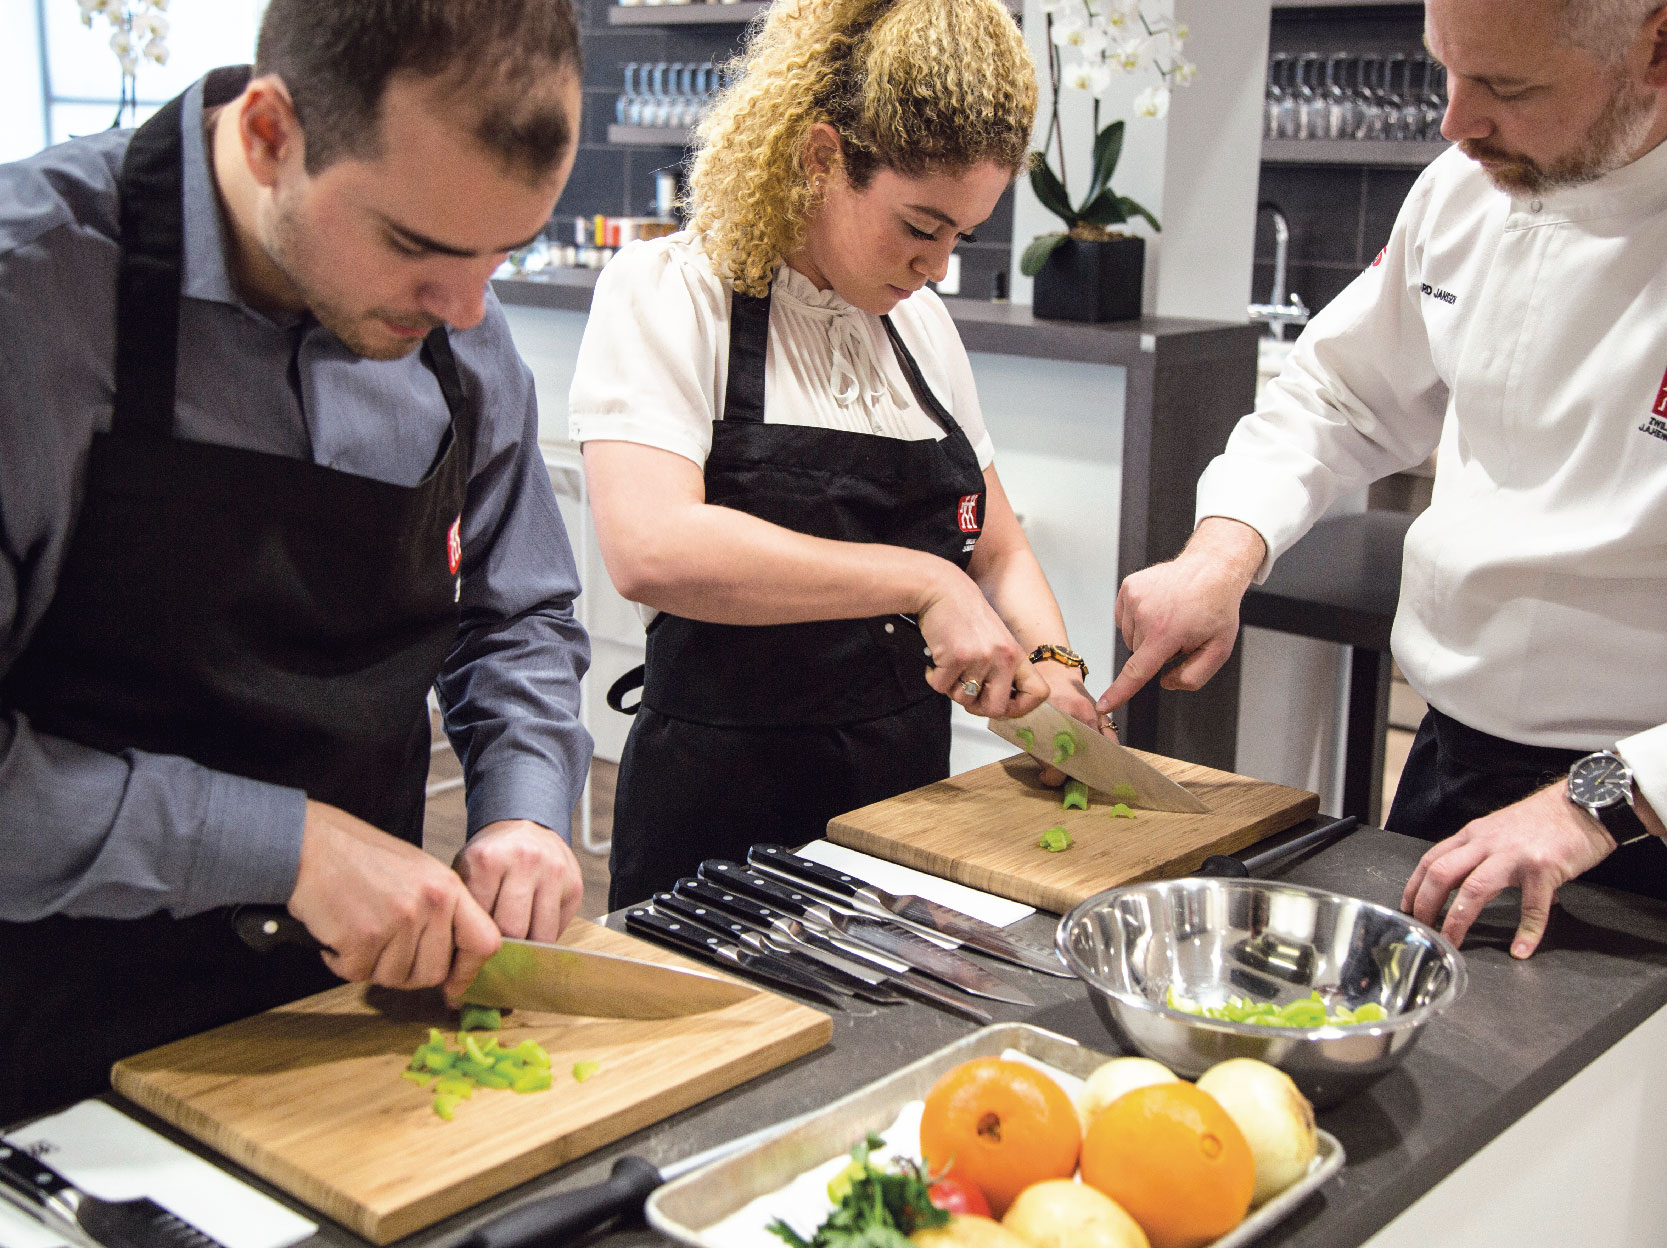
(1130, 54)
(1184, 72)
(157, 51)
(1152, 102)
(153, 25)
(121, 43)
(1069, 32)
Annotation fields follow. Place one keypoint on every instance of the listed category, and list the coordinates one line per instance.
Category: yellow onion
(1114, 1078)
(1274, 1117)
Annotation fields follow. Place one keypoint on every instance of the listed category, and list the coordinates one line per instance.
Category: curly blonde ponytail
(911, 85)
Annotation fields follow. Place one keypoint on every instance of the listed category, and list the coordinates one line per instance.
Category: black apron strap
(437, 355)
(749, 341)
(631, 679)
(917, 381)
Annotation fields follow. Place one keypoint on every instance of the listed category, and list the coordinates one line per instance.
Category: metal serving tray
(702, 1198)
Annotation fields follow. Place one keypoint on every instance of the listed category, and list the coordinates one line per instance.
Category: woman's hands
(976, 661)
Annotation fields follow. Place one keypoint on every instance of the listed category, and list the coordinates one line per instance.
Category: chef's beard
(1611, 142)
(360, 330)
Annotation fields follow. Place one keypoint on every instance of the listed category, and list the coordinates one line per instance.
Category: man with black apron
(216, 674)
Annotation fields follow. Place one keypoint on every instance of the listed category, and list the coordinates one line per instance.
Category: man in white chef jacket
(1517, 322)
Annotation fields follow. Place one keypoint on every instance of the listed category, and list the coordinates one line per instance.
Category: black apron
(260, 615)
(762, 733)
(1455, 774)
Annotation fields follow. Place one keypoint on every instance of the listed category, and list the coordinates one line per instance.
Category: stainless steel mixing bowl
(1209, 938)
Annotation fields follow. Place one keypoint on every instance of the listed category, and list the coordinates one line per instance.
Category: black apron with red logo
(761, 733)
(260, 615)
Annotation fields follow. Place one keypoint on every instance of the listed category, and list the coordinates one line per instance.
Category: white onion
(1274, 1117)
(1114, 1078)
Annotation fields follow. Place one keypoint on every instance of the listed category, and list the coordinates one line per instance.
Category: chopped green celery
(440, 1060)
(1120, 811)
(487, 1019)
(531, 1052)
(585, 1069)
(531, 1081)
(509, 1065)
(421, 1078)
(1123, 792)
(493, 1080)
(1026, 736)
(437, 1038)
(1076, 796)
(1369, 1013)
(455, 1087)
(469, 1068)
(472, 1048)
(444, 1105)
(1064, 746)
(1055, 839)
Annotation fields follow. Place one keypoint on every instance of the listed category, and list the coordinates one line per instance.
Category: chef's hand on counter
(390, 913)
(525, 875)
(970, 642)
(1187, 607)
(1067, 693)
(1537, 844)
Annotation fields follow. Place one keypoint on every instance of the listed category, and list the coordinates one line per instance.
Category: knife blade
(1108, 767)
(542, 976)
(864, 980)
(914, 911)
(687, 936)
(897, 972)
(50, 1196)
(890, 939)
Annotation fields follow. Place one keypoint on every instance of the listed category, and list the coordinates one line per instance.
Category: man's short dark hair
(506, 59)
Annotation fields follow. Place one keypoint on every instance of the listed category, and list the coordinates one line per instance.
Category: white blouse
(654, 362)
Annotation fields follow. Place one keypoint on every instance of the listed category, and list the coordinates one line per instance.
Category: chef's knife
(913, 911)
(1096, 760)
(863, 979)
(540, 976)
(905, 945)
(49, 1196)
(685, 935)
(721, 872)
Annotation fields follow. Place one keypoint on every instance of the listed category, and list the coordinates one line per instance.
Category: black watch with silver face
(1602, 784)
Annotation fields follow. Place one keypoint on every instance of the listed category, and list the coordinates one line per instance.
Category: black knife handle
(560, 1219)
(30, 1177)
(722, 898)
(1223, 866)
(646, 922)
(780, 859)
(703, 917)
(774, 894)
(267, 928)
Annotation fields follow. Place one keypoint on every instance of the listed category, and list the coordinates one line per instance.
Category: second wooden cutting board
(981, 828)
(309, 1095)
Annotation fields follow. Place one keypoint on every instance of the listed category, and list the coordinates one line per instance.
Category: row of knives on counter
(835, 938)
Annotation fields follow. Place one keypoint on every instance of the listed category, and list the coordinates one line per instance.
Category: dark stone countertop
(985, 326)
(1521, 1031)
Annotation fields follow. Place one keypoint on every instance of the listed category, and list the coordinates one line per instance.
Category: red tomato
(958, 1196)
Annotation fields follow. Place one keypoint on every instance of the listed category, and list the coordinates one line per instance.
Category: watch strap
(1624, 824)
(1059, 655)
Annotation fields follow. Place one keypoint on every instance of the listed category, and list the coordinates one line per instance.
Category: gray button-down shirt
(83, 832)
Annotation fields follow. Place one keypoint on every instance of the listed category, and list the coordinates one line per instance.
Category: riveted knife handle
(723, 899)
(782, 860)
(645, 922)
(267, 928)
(743, 880)
(703, 917)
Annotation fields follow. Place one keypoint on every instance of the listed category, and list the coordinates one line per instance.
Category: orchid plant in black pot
(1092, 271)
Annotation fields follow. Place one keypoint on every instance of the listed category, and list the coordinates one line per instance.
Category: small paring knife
(540, 976)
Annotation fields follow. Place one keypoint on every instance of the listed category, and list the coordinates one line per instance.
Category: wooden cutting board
(981, 828)
(309, 1095)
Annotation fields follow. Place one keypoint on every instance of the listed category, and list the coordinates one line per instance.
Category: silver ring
(971, 686)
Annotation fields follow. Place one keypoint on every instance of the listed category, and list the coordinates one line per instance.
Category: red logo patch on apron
(1378, 259)
(454, 545)
(967, 514)
(1660, 408)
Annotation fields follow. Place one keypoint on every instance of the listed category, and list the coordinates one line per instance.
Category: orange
(1173, 1158)
(1001, 1124)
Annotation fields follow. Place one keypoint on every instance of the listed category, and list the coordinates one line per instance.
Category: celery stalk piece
(1076, 796)
(585, 1069)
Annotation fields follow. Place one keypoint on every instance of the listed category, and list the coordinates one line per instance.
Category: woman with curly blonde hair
(785, 454)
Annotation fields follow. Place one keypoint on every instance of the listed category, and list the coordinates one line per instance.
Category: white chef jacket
(654, 360)
(1527, 336)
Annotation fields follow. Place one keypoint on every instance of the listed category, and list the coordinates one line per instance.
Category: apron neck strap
(749, 338)
(917, 381)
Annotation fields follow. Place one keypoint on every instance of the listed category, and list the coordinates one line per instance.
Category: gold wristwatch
(1059, 655)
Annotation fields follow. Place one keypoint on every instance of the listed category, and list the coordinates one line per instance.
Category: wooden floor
(444, 829)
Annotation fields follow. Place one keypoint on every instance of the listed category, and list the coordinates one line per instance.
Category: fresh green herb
(489, 1019)
(1076, 796)
(1026, 736)
(585, 1069)
(1055, 839)
(1304, 1013)
(1120, 810)
(876, 1207)
(1064, 746)
(1123, 792)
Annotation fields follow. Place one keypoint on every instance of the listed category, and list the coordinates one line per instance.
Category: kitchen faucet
(1277, 313)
